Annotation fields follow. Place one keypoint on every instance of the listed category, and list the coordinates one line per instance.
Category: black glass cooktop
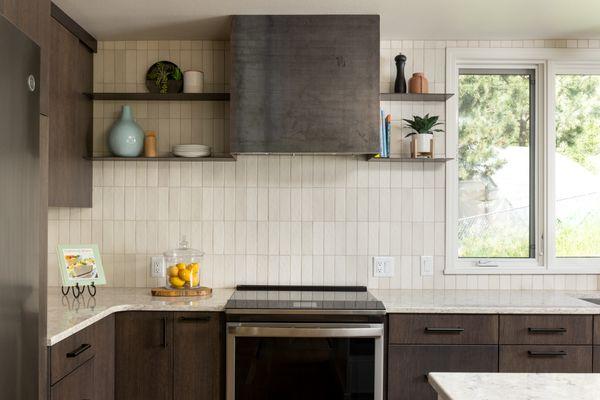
(249, 297)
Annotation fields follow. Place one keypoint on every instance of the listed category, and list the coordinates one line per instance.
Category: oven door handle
(365, 331)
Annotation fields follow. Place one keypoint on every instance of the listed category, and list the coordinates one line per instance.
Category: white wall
(270, 219)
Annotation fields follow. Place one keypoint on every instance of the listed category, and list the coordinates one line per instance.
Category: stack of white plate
(191, 150)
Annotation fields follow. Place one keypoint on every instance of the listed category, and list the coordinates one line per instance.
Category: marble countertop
(67, 315)
(487, 301)
(514, 386)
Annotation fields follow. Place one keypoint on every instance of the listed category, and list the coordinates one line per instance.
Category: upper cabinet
(305, 84)
(33, 18)
(71, 67)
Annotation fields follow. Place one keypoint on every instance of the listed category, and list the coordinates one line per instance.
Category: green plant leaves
(421, 125)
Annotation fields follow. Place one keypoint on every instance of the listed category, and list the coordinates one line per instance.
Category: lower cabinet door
(408, 366)
(144, 356)
(78, 385)
(596, 358)
(541, 358)
(197, 367)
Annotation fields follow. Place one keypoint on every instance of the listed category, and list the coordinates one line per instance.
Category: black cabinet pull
(558, 353)
(444, 330)
(164, 332)
(204, 318)
(547, 330)
(79, 350)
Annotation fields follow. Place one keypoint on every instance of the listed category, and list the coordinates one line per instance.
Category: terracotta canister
(418, 83)
(150, 144)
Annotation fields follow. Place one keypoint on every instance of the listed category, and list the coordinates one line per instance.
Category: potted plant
(422, 132)
(164, 77)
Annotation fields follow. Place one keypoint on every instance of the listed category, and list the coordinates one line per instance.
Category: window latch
(486, 263)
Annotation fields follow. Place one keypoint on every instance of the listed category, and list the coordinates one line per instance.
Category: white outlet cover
(383, 267)
(426, 265)
(157, 267)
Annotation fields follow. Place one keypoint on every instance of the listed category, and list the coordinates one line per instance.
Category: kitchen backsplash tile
(270, 219)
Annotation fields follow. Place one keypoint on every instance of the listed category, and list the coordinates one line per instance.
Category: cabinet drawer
(78, 385)
(443, 329)
(545, 329)
(597, 329)
(408, 367)
(540, 358)
(70, 353)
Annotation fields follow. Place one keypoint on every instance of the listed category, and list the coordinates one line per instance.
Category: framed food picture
(80, 264)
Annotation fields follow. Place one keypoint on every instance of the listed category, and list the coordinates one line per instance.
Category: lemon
(173, 270)
(195, 280)
(184, 274)
(176, 282)
(181, 266)
(194, 267)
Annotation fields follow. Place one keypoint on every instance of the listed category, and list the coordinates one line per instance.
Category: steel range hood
(305, 84)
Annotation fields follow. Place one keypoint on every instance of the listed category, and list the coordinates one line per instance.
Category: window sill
(528, 270)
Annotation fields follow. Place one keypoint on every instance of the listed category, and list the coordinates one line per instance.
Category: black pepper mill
(400, 84)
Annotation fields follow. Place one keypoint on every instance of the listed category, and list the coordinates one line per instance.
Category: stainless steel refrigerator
(20, 216)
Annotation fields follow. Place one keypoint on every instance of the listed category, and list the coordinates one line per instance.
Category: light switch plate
(426, 265)
(383, 267)
(157, 267)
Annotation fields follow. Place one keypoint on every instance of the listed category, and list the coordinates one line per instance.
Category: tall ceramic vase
(126, 137)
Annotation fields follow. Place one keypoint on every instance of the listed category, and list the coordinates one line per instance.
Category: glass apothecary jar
(183, 266)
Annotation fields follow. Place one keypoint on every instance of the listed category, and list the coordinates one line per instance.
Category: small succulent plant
(422, 125)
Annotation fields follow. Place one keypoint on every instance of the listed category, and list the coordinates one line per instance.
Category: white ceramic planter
(193, 82)
(424, 142)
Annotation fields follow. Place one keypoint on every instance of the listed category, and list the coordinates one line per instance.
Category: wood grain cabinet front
(408, 366)
(78, 385)
(543, 358)
(443, 329)
(546, 329)
(144, 356)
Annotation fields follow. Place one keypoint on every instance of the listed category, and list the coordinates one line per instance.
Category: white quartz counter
(502, 386)
(67, 315)
(486, 301)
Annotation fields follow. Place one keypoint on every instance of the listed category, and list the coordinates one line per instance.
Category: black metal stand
(79, 290)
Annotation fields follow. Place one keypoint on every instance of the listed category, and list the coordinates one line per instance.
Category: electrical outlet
(383, 267)
(426, 265)
(157, 267)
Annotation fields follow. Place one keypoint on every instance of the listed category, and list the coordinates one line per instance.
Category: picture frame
(80, 265)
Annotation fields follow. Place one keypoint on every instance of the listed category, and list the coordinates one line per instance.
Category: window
(496, 164)
(523, 190)
(577, 165)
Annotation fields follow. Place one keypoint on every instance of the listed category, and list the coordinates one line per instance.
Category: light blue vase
(126, 137)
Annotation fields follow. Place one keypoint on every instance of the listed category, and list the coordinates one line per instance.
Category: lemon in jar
(181, 265)
(194, 267)
(173, 271)
(184, 274)
(175, 281)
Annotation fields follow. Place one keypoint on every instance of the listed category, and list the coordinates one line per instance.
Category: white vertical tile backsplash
(270, 219)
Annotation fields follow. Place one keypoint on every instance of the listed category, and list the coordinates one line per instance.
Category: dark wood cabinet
(78, 385)
(144, 356)
(32, 17)
(542, 358)
(409, 365)
(546, 329)
(162, 355)
(71, 113)
(95, 343)
(198, 352)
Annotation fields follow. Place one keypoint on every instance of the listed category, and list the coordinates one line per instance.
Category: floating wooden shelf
(159, 97)
(216, 157)
(415, 96)
(407, 159)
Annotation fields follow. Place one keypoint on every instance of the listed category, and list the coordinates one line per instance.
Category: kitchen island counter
(514, 386)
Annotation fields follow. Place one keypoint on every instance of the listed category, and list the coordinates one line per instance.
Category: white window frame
(546, 63)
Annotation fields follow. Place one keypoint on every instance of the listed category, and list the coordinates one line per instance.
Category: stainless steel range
(299, 342)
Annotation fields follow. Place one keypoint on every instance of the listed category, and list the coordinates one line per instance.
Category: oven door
(272, 361)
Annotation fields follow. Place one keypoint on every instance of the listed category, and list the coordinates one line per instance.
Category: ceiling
(400, 19)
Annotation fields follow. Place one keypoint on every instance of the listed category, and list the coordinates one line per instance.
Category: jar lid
(184, 250)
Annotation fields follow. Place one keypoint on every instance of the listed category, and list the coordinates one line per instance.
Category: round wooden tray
(201, 291)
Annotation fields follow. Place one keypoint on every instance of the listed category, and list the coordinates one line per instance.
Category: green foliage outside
(494, 114)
